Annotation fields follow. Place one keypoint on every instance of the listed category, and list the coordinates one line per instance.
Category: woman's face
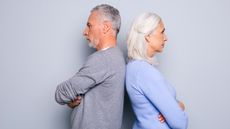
(156, 40)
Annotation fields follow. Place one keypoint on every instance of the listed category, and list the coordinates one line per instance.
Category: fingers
(181, 104)
(75, 103)
(161, 118)
(78, 98)
(71, 105)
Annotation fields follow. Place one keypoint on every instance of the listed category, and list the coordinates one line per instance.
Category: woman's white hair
(142, 26)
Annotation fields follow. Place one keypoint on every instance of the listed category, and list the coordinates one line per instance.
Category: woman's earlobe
(147, 38)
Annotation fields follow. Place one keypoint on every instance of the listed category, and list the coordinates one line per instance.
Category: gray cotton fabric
(101, 83)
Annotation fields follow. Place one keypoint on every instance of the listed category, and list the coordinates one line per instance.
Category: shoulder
(143, 70)
(141, 66)
(95, 58)
(114, 52)
(106, 59)
(137, 64)
(93, 63)
(113, 56)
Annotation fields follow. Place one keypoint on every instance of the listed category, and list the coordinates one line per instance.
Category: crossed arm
(161, 117)
(70, 91)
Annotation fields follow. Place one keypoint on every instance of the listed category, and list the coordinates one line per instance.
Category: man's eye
(89, 25)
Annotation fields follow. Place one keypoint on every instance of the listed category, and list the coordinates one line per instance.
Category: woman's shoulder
(137, 64)
(140, 65)
(143, 69)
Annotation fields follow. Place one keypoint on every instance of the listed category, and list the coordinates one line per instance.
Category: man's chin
(91, 45)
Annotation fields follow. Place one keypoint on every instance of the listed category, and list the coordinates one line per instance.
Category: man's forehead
(93, 15)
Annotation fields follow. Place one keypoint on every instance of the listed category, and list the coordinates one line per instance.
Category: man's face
(93, 29)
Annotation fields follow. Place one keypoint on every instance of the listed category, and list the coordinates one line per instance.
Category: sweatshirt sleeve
(154, 87)
(92, 73)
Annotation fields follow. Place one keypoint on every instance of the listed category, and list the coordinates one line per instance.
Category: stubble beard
(94, 43)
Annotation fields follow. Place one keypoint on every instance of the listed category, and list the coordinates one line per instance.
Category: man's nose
(85, 32)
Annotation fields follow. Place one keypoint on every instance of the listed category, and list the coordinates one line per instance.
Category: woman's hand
(161, 118)
(181, 104)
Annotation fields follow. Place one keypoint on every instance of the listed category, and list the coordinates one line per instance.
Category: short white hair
(111, 13)
(143, 25)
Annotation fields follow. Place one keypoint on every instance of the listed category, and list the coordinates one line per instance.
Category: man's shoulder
(111, 53)
(95, 57)
(114, 53)
(106, 57)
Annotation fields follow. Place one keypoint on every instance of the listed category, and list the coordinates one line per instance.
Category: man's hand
(75, 103)
(161, 118)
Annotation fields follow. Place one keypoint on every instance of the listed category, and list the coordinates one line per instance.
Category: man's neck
(106, 44)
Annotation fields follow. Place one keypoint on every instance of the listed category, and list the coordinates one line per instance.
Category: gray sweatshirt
(101, 83)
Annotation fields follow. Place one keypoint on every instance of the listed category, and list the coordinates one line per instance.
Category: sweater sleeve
(92, 73)
(154, 87)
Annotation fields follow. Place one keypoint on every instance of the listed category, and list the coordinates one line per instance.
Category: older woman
(150, 94)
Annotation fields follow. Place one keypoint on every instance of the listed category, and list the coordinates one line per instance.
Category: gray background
(41, 45)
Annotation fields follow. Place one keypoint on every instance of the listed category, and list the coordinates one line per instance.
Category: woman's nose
(165, 37)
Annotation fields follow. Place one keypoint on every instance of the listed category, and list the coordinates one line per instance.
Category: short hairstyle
(111, 14)
(143, 25)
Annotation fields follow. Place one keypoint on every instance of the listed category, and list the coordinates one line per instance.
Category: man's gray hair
(142, 26)
(111, 14)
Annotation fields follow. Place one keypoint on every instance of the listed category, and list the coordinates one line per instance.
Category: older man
(96, 91)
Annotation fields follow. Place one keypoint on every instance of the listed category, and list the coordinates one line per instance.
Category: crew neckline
(106, 48)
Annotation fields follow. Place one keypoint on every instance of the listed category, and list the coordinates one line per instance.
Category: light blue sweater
(150, 95)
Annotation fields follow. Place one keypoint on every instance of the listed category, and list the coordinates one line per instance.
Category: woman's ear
(147, 38)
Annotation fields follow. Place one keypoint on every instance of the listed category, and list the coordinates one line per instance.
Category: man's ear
(107, 26)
